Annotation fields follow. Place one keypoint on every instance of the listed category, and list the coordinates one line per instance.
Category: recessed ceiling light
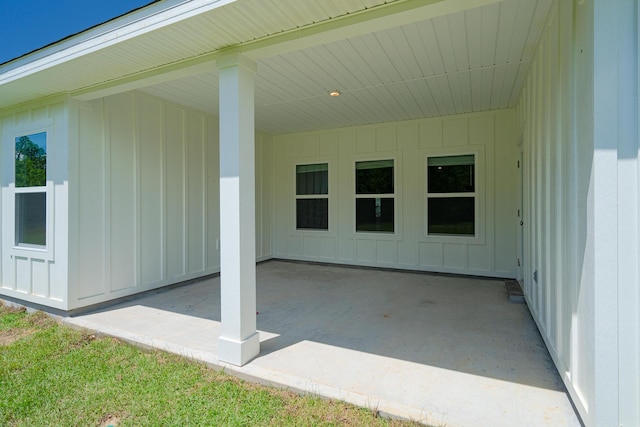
(334, 93)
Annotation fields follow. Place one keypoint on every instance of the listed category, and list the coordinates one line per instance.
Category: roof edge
(147, 18)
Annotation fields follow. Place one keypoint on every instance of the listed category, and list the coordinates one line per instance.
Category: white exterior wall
(491, 136)
(579, 113)
(556, 180)
(34, 275)
(145, 211)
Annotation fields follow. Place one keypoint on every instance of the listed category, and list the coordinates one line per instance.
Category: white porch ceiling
(469, 61)
(426, 58)
(165, 32)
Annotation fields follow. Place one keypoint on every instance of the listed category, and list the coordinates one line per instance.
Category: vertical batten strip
(184, 144)
(163, 192)
(106, 156)
(137, 265)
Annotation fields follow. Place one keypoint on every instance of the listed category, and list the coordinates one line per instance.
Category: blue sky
(39, 139)
(26, 25)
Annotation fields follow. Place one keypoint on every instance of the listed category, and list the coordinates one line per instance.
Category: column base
(238, 353)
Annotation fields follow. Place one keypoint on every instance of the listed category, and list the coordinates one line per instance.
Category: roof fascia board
(355, 24)
(111, 33)
(83, 36)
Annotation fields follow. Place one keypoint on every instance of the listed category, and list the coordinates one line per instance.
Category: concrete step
(515, 292)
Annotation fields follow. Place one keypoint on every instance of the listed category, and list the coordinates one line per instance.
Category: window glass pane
(467, 159)
(316, 167)
(31, 218)
(312, 179)
(374, 177)
(31, 160)
(375, 214)
(312, 214)
(451, 215)
(451, 174)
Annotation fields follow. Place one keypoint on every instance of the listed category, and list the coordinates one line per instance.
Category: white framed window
(30, 190)
(312, 196)
(375, 196)
(452, 195)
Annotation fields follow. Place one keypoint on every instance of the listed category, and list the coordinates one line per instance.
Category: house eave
(134, 24)
(129, 46)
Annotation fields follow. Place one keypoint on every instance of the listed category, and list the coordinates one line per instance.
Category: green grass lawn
(53, 375)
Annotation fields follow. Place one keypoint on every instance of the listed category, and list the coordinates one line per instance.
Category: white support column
(239, 341)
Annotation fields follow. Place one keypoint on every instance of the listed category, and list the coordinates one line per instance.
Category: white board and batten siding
(147, 205)
(36, 275)
(581, 204)
(555, 205)
(490, 136)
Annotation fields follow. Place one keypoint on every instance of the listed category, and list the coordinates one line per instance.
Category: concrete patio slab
(438, 349)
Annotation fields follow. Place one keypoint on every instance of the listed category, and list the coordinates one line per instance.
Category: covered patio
(195, 137)
(440, 349)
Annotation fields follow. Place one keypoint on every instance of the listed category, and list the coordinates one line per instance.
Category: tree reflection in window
(30, 190)
(31, 160)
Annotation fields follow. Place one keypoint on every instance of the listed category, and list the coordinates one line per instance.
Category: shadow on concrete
(456, 323)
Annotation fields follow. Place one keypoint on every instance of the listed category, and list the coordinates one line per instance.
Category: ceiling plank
(378, 18)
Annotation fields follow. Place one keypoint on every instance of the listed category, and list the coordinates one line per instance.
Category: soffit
(181, 31)
(469, 61)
